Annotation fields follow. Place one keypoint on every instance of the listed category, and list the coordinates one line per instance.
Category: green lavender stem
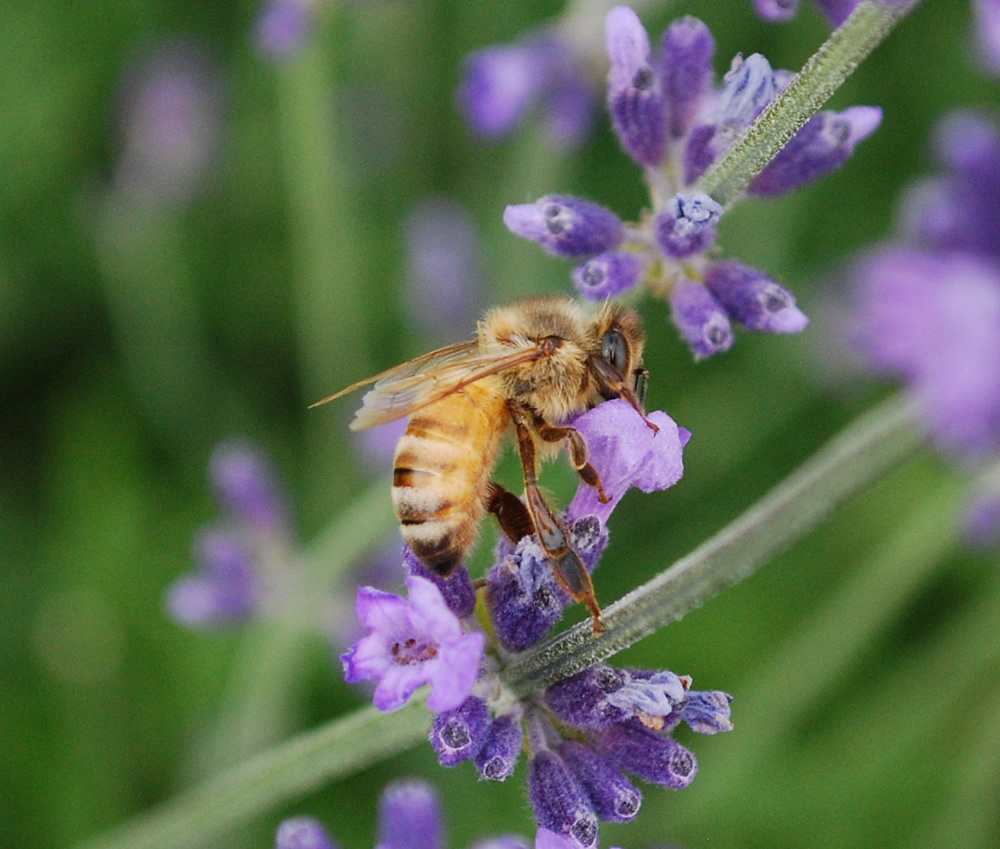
(860, 455)
(805, 95)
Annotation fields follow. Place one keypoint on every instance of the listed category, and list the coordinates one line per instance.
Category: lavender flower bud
(302, 833)
(687, 224)
(559, 802)
(246, 486)
(654, 693)
(685, 71)
(614, 797)
(707, 711)
(699, 152)
(409, 817)
(635, 100)
(523, 599)
(460, 734)
(584, 700)
(838, 11)
(653, 757)
(609, 274)
(566, 226)
(754, 299)
(823, 144)
(498, 757)
(456, 589)
(700, 319)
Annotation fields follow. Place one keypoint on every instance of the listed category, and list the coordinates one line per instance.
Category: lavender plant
(500, 683)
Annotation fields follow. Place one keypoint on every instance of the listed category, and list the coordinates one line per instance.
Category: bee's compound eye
(614, 349)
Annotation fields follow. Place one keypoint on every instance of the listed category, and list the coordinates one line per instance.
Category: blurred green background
(135, 335)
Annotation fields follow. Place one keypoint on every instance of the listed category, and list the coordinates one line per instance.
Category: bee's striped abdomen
(442, 466)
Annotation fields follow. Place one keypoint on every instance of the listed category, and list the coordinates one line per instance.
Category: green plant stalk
(199, 816)
(858, 456)
(802, 98)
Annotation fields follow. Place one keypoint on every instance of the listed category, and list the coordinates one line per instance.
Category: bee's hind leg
(578, 454)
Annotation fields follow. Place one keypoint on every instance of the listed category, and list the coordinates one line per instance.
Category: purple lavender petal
(700, 151)
(303, 833)
(461, 733)
(566, 226)
(687, 224)
(409, 817)
(754, 299)
(626, 452)
(932, 320)
(635, 99)
(283, 28)
(246, 486)
(700, 318)
(655, 694)
(559, 802)
(822, 145)
(777, 10)
(413, 642)
(685, 71)
(609, 274)
(546, 839)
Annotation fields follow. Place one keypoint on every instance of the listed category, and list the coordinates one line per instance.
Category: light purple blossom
(303, 833)
(246, 485)
(566, 226)
(503, 84)
(932, 319)
(409, 817)
(835, 11)
(413, 642)
(987, 18)
(223, 589)
(753, 299)
(626, 452)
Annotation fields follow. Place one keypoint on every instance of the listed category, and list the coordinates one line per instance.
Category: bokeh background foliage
(863, 661)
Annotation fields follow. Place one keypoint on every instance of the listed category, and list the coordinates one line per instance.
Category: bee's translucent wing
(405, 390)
(442, 356)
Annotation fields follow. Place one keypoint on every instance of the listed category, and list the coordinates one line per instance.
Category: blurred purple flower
(169, 125)
(302, 833)
(224, 588)
(981, 514)
(445, 267)
(502, 84)
(409, 817)
(413, 642)
(932, 319)
(246, 486)
(835, 11)
(986, 14)
(283, 27)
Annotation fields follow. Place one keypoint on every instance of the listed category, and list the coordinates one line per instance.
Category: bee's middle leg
(578, 453)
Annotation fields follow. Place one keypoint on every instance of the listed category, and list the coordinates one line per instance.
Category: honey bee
(532, 366)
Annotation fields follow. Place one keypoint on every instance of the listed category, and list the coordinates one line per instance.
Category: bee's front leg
(578, 454)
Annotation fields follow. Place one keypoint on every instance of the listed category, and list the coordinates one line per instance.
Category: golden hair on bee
(532, 365)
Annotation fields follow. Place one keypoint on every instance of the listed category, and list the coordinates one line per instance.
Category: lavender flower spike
(411, 643)
(566, 226)
(754, 299)
(635, 99)
(686, 225)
